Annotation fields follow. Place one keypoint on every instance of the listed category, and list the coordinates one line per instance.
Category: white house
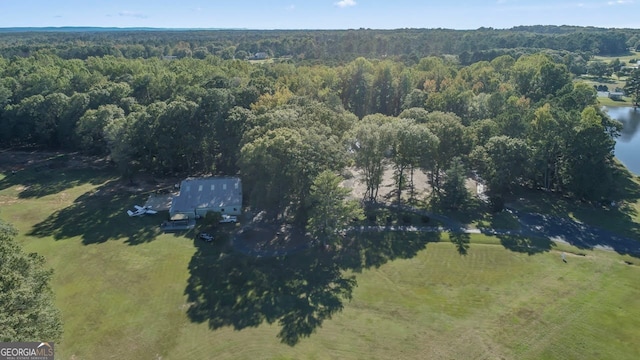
(199, 196)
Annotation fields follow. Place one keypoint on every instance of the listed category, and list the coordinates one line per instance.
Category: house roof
(205, 193)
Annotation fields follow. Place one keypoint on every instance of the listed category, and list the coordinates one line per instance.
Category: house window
(213, 187)
(234, 209)
(224, 186)
(222, 210)
(200, 188)
(236, 185)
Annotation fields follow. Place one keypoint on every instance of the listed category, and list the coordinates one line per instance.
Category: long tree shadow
(298, 292)
(51, 176)
(461, 241)
(368, 249)
(597, 222)
(100, 216)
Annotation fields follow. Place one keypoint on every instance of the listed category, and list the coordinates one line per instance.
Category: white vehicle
(141, 210)
(206, 237)
(229, 219)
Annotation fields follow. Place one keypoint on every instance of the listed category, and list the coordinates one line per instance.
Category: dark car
(206, 237)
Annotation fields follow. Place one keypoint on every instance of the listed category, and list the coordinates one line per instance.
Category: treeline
(407, 45)
(513, 122)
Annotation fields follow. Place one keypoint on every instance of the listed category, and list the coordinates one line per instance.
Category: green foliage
(632, 86)
(371, 140)
(502, 162)
(330, 211)
(588, 169)
(455, 194)
(27, 302)
(194, 114)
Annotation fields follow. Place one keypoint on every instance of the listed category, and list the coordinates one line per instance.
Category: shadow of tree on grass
(51, 177)
(526, 244)
(100, 216)
(298, 292)
(461, 241)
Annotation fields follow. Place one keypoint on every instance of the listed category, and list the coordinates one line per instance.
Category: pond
(628, 144)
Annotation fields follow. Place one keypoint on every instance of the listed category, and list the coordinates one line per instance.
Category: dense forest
(516, 120)
(326, 46)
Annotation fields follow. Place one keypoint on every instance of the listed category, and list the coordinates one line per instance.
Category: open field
(127, 291)
(613, 82)
(625, 58)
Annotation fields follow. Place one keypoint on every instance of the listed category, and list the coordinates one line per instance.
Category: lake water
(628, 144)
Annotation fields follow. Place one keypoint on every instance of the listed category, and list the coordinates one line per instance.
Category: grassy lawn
(605, 101)
(625, 58)
(127, 291)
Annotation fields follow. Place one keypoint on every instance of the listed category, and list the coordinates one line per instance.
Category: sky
(319, 14)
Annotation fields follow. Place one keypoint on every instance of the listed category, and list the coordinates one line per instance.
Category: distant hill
(97, 29)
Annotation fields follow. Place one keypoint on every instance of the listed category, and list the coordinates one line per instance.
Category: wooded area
(516, 120)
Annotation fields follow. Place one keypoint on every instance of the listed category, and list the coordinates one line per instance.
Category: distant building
(199, 196)
(259, 56)
(616, 95)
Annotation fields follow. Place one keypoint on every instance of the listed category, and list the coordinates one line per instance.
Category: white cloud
(345, 3)
(290, 7)
(132, 14)
(620, 2)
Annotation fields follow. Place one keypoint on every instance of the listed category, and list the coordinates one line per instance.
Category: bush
(406, 219)
(425, 219)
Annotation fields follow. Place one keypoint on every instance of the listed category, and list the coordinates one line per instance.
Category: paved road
(531, 225)
(572, 232)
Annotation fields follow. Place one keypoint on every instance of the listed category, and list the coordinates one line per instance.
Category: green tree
(455, 194)
(599, 69)
(371, 141)
(26, 299)
(545, 139)
(91, 127)
(454, 141)
(357, 86)
(411, 145)
(589, 157)
(384, 90)
(502, 162)
(632, 86)
(330, 211)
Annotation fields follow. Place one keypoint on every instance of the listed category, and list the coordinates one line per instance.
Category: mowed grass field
(128, 292)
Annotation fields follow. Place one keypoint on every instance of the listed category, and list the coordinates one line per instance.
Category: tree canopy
(280, 124)
(26, 299)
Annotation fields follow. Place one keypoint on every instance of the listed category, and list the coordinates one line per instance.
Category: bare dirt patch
(354, 180)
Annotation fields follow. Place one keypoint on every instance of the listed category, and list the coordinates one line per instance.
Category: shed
(199, 196)
(616, 95)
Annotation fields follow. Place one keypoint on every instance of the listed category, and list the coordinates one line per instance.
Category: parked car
(206, 237)
(229, 219)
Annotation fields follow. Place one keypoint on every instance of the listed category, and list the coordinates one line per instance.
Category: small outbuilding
(199, 196)
(616, 95)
